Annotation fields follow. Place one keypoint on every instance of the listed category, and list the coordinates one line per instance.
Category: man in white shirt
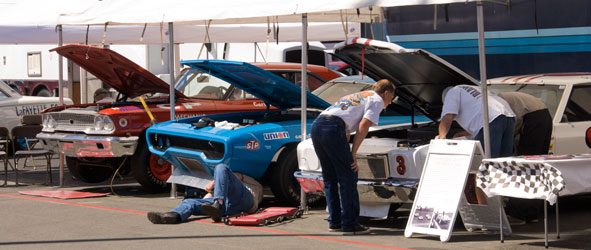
(330, 136)
(463, 104)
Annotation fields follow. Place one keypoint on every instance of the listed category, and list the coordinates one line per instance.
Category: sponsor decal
(31, 109)
(299, 136)
(129, 108)
(253, 145)
(256, 104)
(276, 135)
(181, 116)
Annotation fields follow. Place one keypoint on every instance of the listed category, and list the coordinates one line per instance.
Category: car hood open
(419, 76)
(115, 70)
(263, 84)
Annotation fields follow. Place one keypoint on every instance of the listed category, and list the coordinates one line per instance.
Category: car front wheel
(283, 184)
(150, 170)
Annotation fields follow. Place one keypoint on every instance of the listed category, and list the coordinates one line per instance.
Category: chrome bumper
(389, 191)
(77, 145)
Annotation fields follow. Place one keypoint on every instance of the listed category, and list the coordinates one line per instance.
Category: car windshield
(196, 84)
(549, 94)
(333, 91)
(6, 91)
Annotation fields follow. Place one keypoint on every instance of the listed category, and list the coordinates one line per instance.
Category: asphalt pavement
(118, 221)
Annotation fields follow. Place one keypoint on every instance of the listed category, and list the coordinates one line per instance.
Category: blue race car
(258, 144)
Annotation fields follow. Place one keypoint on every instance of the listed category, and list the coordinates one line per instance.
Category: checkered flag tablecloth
(520, 179)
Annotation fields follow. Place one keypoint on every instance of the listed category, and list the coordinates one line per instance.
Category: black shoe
(214, 210)
(164, 218)
(358, 230)
(336, 228)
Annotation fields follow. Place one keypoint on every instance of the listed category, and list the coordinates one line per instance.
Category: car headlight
(98, 123)
(102, 125)
(48, 122)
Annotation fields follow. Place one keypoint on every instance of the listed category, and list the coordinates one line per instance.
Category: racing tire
(88, 172)
(149, 170)
(283, 184)
(393, 208)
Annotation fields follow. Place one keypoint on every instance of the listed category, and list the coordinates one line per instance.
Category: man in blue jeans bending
(228, 194)
(330, 136)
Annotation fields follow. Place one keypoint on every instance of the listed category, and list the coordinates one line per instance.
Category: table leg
(545, 224)
(557, 221)
(501, 223)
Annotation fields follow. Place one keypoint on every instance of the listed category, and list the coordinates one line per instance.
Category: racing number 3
(401, 169)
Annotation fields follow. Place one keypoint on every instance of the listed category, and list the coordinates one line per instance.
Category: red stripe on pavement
(72, 203)
(208, 222)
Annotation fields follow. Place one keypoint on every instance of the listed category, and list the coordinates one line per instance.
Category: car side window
(314, 81)
(3, 95)
(578, 107)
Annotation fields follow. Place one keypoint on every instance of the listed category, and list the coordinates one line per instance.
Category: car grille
(212, 150)
(73, 122)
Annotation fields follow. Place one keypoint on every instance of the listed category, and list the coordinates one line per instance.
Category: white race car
(391, 159)
(13, 105)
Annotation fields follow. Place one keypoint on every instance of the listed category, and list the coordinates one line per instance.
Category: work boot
(357, 230)
(335, 228)
(164, 217)
(214, 210)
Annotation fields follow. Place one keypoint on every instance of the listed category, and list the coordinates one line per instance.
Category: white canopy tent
(181, 12)
(230, 11)
(153, 34)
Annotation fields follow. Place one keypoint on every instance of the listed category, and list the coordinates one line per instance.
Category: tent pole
(484, 88)
(172, 97)
(61, 94)
(303, 199)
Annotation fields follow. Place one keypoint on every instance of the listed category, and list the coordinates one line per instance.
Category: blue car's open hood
(265, 85)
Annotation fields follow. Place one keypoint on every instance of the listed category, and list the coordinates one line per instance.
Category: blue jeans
(332, 148)
(237, 198)
(502, 129)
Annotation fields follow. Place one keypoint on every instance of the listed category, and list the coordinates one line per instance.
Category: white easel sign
(441, 187)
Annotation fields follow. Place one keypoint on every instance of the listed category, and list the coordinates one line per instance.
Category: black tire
(283, 184)
(142, 171)
(44, 92)
(90, 172)
(393, 208)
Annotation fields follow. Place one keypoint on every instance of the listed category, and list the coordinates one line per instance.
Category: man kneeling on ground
(228, 194)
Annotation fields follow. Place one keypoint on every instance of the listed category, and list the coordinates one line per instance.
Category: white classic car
(13, 105)
(391, 159)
